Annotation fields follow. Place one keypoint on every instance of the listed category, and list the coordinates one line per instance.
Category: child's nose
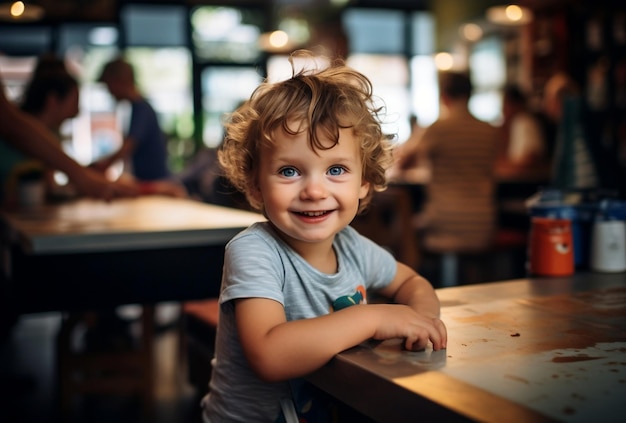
(314, 188)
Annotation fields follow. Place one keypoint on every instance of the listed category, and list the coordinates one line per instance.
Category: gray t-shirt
(257, 264)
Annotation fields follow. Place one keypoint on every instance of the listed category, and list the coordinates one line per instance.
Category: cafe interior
(196, 61)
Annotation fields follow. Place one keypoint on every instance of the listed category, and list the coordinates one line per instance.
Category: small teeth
(314, 214)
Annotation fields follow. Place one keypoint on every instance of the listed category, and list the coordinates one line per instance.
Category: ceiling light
(276, 42)
(471, 32)
(444, 61)
(19, 11)
(510, 15)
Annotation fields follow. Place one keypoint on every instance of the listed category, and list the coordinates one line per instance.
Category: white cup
(608, 246)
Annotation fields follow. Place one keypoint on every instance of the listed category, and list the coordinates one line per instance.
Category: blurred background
(198, 59)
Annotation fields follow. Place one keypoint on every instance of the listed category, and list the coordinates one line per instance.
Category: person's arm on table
(31, 137)
(278, 349)
(124, 152)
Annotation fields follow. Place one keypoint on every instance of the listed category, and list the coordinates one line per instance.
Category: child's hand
(401, 321)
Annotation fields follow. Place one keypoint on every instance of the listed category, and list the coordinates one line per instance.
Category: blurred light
(278, 39)
(472, 32)
(513, 13)
(18, 11)
(276, 42)
(297, 28)
(510, 15)
(444, 61)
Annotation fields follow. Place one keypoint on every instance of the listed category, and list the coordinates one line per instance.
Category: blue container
(611, 210)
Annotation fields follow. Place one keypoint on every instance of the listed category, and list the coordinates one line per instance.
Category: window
(488, 73)
(15, 73)
(24, 41)
(424, 89)
(279, 68)
(398, 60)
(224, 88)
(389, 76)
(164, 78)
(226, 34)
(155, 26)
(75, 39)
(374, 31)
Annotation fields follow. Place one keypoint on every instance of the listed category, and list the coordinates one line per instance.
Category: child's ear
(365, 188)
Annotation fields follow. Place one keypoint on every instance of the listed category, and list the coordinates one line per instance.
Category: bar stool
(125, 371)
(503, 258)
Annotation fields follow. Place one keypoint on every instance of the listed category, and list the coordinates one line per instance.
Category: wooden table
(530, 350)
(88, 254)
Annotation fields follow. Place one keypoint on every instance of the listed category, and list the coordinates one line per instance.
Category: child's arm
(413, 290)
(279, 350)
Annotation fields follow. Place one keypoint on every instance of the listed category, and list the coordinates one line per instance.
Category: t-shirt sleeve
(252, 270)
(377, 265)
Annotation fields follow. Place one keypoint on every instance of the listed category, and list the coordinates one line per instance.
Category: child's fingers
(436, 333)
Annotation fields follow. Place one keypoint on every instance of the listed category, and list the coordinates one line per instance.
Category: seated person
(459, 213)
(29, 140)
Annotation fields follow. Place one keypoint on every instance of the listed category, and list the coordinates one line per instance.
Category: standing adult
(460, 211)
(144, 147)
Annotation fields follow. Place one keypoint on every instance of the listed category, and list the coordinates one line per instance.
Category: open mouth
(313, 213)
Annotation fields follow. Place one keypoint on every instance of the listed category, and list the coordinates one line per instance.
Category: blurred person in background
(52, 97)
(144, 146)
(26, 138)
(459, 213)
(522, 153)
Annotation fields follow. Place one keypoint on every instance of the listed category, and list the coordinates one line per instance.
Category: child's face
(310, 196)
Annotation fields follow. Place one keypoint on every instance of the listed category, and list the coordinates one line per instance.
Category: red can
(551, 247)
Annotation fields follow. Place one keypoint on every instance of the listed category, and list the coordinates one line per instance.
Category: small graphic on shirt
(359, 297)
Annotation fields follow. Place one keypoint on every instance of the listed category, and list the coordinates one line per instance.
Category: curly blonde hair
(325, 101)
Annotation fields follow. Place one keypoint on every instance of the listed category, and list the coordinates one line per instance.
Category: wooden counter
(531, 350)
(90, 254)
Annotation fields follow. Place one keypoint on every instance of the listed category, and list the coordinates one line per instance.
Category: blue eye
(336, 170)
(288, 172)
